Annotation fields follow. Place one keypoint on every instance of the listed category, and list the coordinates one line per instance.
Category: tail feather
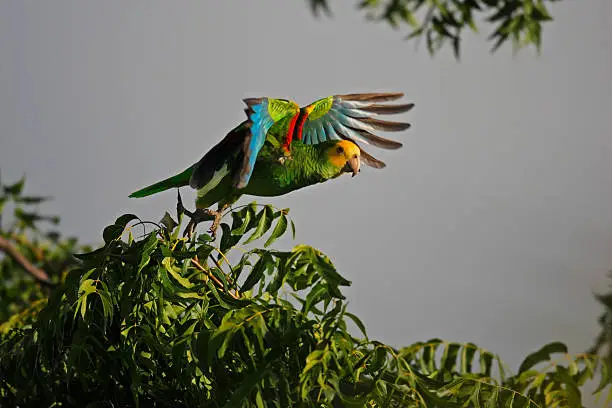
(179, 180)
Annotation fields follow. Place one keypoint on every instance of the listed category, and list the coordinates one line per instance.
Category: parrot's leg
(196, 217)
(218, 215)
(199, 215)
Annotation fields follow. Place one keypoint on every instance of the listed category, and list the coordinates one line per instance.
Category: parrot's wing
(352, 117)
(262, 114)
(220, 160)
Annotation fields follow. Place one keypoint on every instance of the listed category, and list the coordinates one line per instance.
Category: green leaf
(29, 218)
(378, 359)
(541, 355)
(149, 247)
(449, 356)
(263, 225)
(262, 264)
(486, 363)
(125, 219)
(87, 287)
(31, 199)
(357, 322)
(168, 222)
(168, 264)
(95, 256)
(227, 239)
(279, 230)
(324, 266)
(467, 357)
(606, 377)
(114, 231)
(241, 394)
(245, 215)
(220, 339)
(15, 189)
(204, 238)
(315, 295)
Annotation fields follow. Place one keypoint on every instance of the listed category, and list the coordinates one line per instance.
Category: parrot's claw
(199, 215)
(218, 215)
(213, 228)
(196, 217)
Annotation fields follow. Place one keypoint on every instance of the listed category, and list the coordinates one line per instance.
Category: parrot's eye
(340, 150)
(355, 156)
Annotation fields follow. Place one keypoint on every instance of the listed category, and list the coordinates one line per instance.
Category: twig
(213, 277)
(229, 278)
(37, 273)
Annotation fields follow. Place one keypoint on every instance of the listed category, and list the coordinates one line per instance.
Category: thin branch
(214, 278)
(38, 274)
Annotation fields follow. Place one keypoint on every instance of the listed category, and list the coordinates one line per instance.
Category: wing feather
(372, 97)
(377, 141)
(368, 160)
(354, 117)
(207, 169)
(386, 125)
(387, 109)
(262, 113)
(349, 116)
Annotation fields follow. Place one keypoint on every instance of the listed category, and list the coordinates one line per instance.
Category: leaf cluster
(46, 251)
(604, 339)
(159, 320)
(443, 22)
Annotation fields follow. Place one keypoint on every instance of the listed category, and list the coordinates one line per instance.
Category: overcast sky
(493, 224)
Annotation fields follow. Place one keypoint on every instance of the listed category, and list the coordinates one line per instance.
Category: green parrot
(281, 147)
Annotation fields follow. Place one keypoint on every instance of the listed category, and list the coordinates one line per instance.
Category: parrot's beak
(353, 164)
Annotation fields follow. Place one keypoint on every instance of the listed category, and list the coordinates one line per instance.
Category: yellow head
(345, 155)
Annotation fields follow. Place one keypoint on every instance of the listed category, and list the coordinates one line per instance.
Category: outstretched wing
(262, 113)
(352, 117)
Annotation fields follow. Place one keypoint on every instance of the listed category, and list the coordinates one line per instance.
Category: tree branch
(38, 274)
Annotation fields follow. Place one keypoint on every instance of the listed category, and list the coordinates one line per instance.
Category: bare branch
(9, 249)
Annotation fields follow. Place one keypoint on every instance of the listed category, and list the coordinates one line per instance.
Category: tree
(158, 320)
(444, 21)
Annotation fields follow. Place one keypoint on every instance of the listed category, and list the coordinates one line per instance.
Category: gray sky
(493, 224)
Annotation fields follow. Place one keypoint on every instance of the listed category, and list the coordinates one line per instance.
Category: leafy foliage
(163, 321)
(444, 21)
(46, 253)
(604, 339)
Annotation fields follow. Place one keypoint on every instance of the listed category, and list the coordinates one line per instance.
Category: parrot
(282, 147)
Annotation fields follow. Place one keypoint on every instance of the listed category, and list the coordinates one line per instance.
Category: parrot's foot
(216, 221)
(213, 228)
(199, 215)
(196, 217)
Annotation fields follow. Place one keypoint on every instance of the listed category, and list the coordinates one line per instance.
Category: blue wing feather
(330, 132)
(261, 123)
